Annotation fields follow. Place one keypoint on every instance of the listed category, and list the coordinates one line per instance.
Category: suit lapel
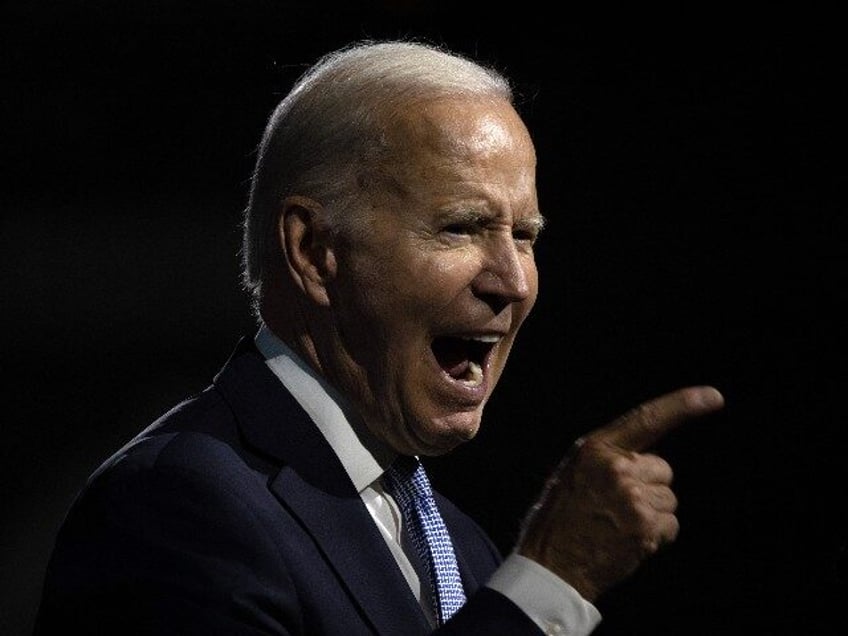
(314, 487)
(347, 536)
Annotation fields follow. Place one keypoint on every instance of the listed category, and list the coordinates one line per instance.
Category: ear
(307, 243)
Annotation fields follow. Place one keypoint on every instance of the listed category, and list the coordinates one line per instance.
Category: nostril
(496, 302)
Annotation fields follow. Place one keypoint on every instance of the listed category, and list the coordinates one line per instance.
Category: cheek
(431, 285)
(451, 272)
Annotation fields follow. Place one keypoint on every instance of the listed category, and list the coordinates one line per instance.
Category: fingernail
(706, 397)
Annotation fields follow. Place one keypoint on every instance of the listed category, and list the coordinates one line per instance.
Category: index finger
(642, 427)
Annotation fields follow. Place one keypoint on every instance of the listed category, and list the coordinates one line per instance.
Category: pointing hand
(609, 504)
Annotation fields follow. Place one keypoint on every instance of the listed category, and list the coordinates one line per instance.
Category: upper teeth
(487, 339)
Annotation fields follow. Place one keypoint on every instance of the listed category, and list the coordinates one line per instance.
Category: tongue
(457, 370)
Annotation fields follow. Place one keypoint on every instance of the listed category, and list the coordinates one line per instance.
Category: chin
(447, 434)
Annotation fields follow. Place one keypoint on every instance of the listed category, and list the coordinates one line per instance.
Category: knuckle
(645, 414)
(588, 446)
(645, 520)
(634, 492)
(619, 466)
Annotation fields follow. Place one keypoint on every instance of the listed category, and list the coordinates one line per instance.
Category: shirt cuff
(555, 606)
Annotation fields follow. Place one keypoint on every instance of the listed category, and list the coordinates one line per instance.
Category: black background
(692, 169)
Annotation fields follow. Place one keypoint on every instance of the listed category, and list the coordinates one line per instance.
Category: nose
(507, 274)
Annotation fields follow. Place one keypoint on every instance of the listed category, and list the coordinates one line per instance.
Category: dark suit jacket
(232, 515)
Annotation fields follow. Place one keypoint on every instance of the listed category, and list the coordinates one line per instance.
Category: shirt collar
(363, 457)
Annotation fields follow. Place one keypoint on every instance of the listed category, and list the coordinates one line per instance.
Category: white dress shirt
(551, 602)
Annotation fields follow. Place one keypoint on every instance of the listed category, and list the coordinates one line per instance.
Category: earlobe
(307, 243)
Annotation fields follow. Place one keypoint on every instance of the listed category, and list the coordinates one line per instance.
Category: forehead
(464, 127)
(462, 148)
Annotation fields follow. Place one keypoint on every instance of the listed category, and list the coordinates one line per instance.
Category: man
(389, 251)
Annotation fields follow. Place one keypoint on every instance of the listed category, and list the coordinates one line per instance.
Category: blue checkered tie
(407, 482)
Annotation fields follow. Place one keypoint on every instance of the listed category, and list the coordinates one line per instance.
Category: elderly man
(389, 253)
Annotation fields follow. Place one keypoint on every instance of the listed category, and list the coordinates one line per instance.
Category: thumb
(642, 427)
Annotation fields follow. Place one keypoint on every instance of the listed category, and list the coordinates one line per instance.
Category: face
(428, 299)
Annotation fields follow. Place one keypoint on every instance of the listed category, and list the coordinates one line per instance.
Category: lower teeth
(474, 374)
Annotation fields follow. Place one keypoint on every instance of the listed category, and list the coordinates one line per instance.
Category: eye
(527, 230)
(525, 235)
(460, 229)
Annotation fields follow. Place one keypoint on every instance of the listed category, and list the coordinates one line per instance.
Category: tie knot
(407, 481)
(405, 466)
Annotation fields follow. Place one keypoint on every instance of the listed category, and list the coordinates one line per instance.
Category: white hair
(327, 134)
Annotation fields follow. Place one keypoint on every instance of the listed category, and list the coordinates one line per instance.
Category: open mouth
(463, 358)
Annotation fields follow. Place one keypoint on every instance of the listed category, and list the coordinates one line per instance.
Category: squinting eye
(524, 235)
(459, 228)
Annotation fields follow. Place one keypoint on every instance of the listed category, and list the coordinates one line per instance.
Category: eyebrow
(534, 222)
